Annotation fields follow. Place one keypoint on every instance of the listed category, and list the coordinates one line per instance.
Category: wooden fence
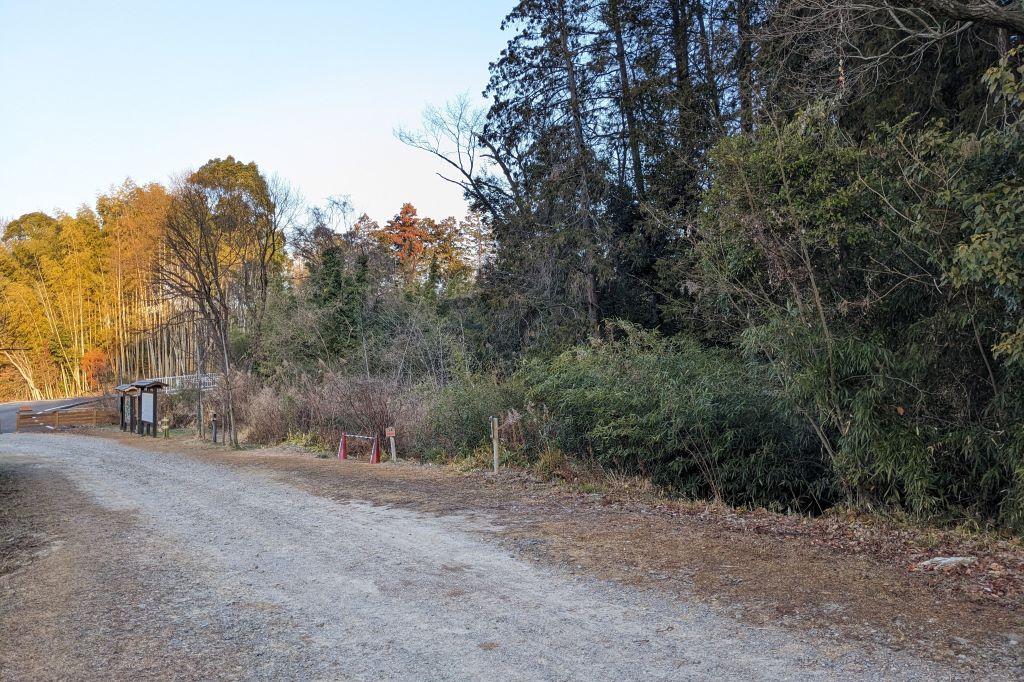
(60, 419)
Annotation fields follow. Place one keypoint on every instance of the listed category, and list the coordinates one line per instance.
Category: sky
(92, 93)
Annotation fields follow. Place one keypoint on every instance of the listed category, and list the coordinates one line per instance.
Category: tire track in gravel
(167, 566)
(98, 594)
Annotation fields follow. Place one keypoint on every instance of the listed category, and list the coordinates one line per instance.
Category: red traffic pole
(375, 452)
(343, 446)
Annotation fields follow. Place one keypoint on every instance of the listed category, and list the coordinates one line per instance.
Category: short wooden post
(155, 413)
(56, 420)
(494, 441)
(17, 418)
(391, 441)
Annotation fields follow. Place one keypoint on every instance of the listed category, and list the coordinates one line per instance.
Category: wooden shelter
(148, 412)
(125, 394)
(128, 398)
(138, 407)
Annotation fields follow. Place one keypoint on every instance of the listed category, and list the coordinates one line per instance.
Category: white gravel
(356, 591)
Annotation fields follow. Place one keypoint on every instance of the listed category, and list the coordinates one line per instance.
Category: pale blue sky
(94, 92)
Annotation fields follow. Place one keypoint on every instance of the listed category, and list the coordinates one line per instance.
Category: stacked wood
(61, 419)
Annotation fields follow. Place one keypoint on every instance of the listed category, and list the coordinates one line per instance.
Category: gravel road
(162, 565)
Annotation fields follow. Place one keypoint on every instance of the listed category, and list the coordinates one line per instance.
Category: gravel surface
(161, 565)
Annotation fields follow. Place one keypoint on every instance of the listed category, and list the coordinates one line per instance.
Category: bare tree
(1003, 14)
(201, 259)
(834, 41)
(454, 133)
(320, 228)
(266, 242)
(224, 236)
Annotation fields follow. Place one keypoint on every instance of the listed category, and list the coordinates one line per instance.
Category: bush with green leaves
(700, 421)
(459, 414)
(879, 281)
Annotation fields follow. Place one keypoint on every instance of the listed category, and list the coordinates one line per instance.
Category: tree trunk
(229, 398)
(626, 97)
(744, 58)
(681, 58)
(589, 222)
(24, 367)
(199, 374)
(709, 66)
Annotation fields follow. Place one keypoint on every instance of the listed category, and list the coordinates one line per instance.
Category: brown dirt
(845, 578)
(95, 607)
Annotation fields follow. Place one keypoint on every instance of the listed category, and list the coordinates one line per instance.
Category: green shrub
(458, 420)
(700, 421)
(882, 281)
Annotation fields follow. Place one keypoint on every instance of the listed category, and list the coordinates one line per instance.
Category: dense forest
(765, 253)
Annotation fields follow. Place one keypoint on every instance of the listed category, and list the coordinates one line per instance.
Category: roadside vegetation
(742, 251)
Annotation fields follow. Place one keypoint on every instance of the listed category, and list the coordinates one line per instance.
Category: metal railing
(185, 382)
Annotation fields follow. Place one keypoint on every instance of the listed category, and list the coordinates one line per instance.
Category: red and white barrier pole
(375, 452)
(343, 447)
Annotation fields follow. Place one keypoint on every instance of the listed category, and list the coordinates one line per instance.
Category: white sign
(147, 408)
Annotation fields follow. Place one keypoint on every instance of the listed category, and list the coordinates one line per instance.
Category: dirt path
(143, 564)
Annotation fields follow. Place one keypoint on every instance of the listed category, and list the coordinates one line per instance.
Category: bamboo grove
(80, 308)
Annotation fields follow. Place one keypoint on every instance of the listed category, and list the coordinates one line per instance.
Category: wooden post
(199, 382)
(391, 440)
(17, 419)
(56, 420)
(494, 441)
(155, 412)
